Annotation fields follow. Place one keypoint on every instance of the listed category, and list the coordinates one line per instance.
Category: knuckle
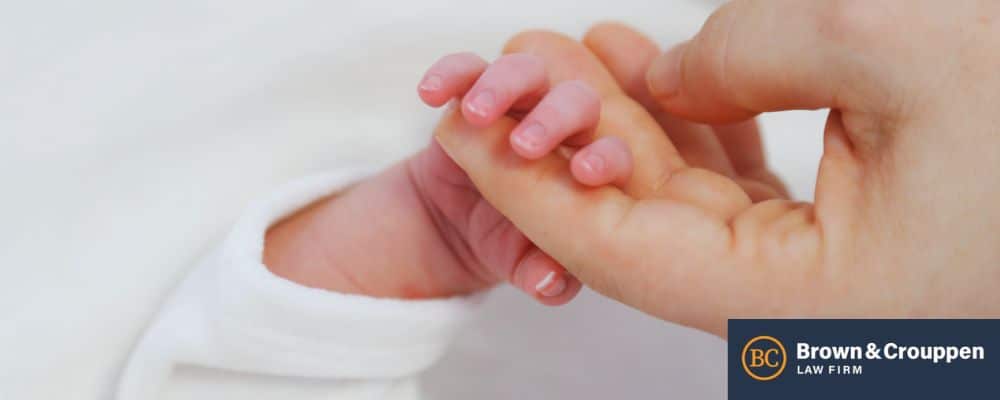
(530, 39)
(607, 32)
(709, 56)
(459, 60)
(461, 56)
(578, 87)
(526, 61)
(580, 96)
(708, 190)
(787, 238)
(854, 22)
(553, 113)
(582, 92)
(622, 110)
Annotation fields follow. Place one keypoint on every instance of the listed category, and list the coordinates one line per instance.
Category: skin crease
(421, 229)
(417, 230)
(905, 218)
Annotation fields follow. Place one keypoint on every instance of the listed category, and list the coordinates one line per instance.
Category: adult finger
(732, 150)
(757, 56)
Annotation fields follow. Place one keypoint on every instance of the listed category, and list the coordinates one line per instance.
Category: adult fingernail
(530, 138)
(664, 74)
(482, 103)
(551, 285)
(431, 83)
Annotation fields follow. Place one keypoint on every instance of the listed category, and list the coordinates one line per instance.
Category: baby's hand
(422, 229)
(517, 85)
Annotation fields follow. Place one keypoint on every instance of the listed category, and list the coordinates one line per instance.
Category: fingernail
(664, 74)
(530, 138)
(593, 163)
(482, 103)
(551, 285)
(431, 83)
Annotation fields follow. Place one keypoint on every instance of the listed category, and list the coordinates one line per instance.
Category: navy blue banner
(861, 359)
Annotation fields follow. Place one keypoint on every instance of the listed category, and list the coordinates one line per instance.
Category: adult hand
(906, 216)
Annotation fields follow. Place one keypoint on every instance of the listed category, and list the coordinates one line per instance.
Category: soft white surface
(232, 314)
(132, 134)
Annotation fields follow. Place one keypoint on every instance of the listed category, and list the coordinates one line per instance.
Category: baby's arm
(376, 238)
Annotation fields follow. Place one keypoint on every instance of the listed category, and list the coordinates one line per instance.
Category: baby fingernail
(482, 103)
(551, 285)
(593, 163)
(530, 138)
(431, 83)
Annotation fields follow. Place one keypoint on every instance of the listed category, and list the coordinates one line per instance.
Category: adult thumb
(757, 56)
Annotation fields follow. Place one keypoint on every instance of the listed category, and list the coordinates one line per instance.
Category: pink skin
(513, 79)
(571, 109)
(566, 115)
(519, 82)
(450, 76)
(543, 277)
(434, 234)
(605, 161)
(437, 236)
(456, 242)
(482, 240)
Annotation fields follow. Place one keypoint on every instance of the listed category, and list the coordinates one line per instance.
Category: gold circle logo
(767, 358)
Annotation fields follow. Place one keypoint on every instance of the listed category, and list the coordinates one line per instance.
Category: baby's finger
(607, 160)
(543, 278)
(570, 108)
(450, 77)
(513, 78)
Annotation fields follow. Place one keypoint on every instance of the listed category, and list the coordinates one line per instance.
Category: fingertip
(512, 81)
(551, 285)
(678, 84)
(542, 278)
(449, 77)
(663, 77)
(430, 90)
(601, 28)
(606, 161)
(479, 107)
(528, 140)
(590, 169)
(570, 290)
(565, 114)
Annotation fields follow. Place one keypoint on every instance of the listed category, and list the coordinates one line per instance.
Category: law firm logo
(764, 358)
